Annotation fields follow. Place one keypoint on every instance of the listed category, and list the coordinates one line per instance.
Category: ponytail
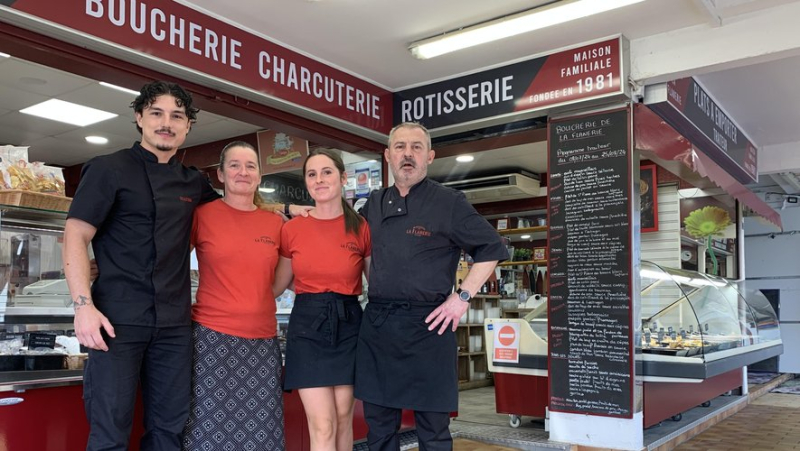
(352, 220)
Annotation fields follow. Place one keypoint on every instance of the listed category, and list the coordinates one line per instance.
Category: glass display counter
(696, 326)
(697, 332)
(34, 299)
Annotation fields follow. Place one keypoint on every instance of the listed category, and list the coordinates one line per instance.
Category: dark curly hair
(151, 91)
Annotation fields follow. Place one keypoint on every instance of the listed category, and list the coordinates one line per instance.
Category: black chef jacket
(417, 241)
(143, 214)
(416, 244)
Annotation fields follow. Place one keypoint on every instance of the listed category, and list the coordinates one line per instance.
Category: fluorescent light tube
(68, 112)
(534, 19)
(119, 88)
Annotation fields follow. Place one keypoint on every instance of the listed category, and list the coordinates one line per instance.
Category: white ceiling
(370, 38)
(23, 84)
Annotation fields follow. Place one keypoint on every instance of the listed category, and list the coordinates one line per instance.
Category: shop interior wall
(771, 262)
(664, 246)
(201, 156)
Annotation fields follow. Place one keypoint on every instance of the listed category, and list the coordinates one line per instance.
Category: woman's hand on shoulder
(299, 210)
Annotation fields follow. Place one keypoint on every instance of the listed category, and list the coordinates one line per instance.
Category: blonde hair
(258, 201)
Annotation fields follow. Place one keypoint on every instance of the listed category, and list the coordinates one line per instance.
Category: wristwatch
(464, 295)
(286, 209)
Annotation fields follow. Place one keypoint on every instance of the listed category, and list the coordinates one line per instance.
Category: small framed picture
(538, 253)
(648, 191)
(502, 224)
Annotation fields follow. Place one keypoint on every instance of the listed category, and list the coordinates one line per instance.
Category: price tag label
(41, 340)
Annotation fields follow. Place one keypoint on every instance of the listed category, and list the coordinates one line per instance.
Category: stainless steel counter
(28, 380)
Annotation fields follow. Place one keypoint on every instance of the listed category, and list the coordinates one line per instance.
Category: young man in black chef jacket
(135, 207)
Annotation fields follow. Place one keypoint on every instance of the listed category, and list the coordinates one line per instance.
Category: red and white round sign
(507, 335)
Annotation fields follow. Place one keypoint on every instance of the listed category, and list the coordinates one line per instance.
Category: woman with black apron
(326, 253)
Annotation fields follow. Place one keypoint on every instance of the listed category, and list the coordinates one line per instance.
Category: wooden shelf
(523, 262)
(486, 296)
(522, 230)
(537, 233)
(516, 312)
(465, 354)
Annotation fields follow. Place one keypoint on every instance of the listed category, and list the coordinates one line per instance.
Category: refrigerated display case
(696, 326)
(697, 332)
(34, 299)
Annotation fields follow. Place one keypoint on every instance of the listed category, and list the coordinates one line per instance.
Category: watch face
(464, 295)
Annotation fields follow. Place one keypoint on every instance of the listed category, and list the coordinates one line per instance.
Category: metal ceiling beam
(712, 12)
(779, 158)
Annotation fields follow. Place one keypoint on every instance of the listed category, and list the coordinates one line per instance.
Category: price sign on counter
(590, 304)
(41, 340)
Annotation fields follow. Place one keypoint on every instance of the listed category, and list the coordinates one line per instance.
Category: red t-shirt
(237, 252)
(325, 259)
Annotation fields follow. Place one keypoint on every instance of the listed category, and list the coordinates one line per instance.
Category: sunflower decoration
(706, 222)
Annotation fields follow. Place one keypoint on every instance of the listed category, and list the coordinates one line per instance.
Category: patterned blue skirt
(237, 400)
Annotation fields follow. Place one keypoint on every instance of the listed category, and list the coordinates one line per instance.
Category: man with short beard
(135, 207)
(406, 354)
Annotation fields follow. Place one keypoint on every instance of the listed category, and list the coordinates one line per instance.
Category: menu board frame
(600, 136)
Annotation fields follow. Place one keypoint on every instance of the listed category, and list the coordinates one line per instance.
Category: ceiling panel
(66, 152)
(218, 130)
(17, 136)
(527, 157)
(763, 99)
(29, 77)
(97, 96)
(64, 144)
(16, 99)
(35, 125)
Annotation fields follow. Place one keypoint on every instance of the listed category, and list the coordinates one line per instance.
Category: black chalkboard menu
(590, 304)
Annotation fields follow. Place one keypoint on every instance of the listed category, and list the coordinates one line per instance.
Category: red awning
(709, 169)
(654, 136)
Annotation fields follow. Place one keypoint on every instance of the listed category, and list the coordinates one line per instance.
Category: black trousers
(433, 429)
(159, 358)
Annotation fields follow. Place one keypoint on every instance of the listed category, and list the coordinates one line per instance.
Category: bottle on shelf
(539, 282)
(545, 286)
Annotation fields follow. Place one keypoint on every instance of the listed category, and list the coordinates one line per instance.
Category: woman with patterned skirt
(237, 400)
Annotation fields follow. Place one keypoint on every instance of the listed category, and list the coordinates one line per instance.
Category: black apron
(400, 363)
(321, 340)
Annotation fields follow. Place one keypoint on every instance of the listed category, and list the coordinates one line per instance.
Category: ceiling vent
(497, 188)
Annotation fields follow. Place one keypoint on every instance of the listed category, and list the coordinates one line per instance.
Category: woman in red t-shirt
(326, 253)
(236, 394)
